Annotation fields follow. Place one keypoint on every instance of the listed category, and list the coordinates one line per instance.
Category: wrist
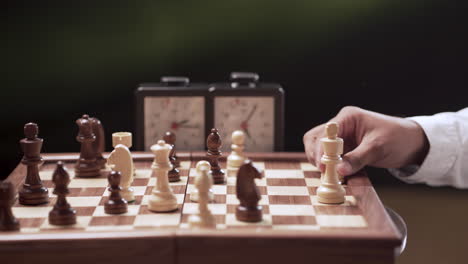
(421, 144)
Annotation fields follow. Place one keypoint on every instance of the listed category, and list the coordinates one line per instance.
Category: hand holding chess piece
(201, 165)
(236, 158)
(330, 190)
(32, 191)
(203, 183)
(248, 194)
(162, 198)
(120, 159)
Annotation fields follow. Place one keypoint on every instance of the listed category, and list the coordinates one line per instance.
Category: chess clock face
(252, 114)
(254, 107)
(183, 115)
(174, 105)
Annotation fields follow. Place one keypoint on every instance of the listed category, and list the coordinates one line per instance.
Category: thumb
(356, 159)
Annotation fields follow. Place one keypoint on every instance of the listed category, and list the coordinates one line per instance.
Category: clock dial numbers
(252, 114)
(185, 116)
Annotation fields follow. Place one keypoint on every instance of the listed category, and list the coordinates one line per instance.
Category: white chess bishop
(331, 191)
(120, 159)
(162, 198)
(237, 158)
(201, 165)
(204, 218)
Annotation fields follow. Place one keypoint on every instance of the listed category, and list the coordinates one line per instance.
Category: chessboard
(295, 226)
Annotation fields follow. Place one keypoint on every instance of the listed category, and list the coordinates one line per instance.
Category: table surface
(373, 240)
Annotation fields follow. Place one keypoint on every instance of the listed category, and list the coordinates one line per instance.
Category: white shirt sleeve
(446, 163)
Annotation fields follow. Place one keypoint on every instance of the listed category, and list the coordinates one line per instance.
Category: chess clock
(254, 107)
(190, 110)
(174, 105)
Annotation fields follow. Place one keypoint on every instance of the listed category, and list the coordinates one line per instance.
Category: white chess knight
(236, 158)
(204, 218)
(120, 159)
(124, 138)
(162, 198)
(202, 164)
(331, 191)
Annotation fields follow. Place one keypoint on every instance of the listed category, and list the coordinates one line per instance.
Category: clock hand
(182, 124)
(244, 124)
(251, 113)
(189, 126)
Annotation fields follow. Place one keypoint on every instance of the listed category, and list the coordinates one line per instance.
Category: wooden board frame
(375, 244)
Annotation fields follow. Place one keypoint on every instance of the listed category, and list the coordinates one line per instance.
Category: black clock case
(180, 86)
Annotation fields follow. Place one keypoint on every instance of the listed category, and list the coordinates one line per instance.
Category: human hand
(370, 139)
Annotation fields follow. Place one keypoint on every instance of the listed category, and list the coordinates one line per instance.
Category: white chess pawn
(162, 198)
(331, 191)
(120, 159)
(204, 218)
(202, 164)
(236, 158)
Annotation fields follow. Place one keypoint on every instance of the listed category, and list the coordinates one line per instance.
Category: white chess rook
(331, 191)
(120, 159)
(236, 158)
(162, 198)
(202, 164)
(204, 218)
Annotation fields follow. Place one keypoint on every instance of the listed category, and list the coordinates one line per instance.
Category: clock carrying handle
(175, 81)
(248, 79)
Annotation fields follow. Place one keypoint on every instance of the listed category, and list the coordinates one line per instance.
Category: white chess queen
(162, 198)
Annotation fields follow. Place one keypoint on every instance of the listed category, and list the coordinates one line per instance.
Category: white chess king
(331, 191)
(162, 198)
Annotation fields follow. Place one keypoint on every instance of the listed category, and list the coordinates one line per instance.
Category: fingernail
(344, 168)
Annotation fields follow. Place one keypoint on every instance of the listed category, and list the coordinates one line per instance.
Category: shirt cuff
(441, 133)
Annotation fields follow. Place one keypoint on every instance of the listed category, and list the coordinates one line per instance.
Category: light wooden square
(287, 190)
(341, 220)
(31, 211)
(291, 209)
(84, 201)
(281, 174)
(157, 220)
(88, 183)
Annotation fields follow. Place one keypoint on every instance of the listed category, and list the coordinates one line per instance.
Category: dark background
(61, 59)
(65, 58)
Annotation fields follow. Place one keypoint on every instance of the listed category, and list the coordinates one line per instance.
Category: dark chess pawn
(115, 204)
(174, 174)
(99, 143)
(32, 191)
(8, 222)
(87, 165)
(214, 143)
(62, 213)
(248, 193)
